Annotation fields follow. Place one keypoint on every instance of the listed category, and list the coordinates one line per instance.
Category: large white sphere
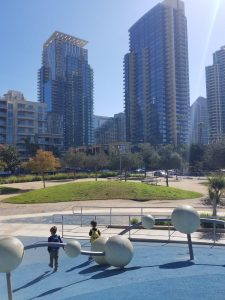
(148, 221)
(118, 251)
(99, 246)
(11, 253)
(73, 248)
(185, 219)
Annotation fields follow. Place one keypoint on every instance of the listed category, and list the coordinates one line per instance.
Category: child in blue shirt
(54, 250)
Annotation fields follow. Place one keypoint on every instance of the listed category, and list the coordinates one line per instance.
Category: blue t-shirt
(54, 239)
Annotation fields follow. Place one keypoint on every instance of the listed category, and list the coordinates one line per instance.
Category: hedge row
(59, 176)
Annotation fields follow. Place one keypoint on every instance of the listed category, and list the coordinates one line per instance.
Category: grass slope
(8, 190)
(102, 190)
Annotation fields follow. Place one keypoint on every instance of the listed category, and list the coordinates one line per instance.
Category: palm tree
(216, 187)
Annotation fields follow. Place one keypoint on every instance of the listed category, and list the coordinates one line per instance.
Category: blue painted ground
(157, 271)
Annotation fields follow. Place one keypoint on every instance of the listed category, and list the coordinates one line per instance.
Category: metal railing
(86, 213)
(82, 215)
(110, 211)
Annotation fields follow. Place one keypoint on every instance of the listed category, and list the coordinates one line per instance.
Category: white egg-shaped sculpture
(73, 248)
(99, 246)
(11, 253)
(118, 251)
(148, 221)
(185, 219)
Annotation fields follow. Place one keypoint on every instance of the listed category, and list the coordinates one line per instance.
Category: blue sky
(26, 24)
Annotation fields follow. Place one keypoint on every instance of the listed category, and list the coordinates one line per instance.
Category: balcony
(25, 116)
(3, 114)
(3, 106)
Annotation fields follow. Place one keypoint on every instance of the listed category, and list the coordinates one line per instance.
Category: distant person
(54, 250)
(94, 233)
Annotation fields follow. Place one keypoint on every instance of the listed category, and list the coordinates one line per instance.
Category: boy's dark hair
(53, 229)
(93, 223)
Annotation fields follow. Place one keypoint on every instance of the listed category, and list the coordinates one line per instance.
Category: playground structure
(116, 251)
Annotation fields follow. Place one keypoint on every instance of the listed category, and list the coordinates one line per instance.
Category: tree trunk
(145, 172)
(214, 207)
(43, 179)
(96, 176)
(167, 180)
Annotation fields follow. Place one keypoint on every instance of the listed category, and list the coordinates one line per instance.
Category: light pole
(119, 147)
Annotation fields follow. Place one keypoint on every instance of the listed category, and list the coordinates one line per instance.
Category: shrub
(107, 174)
(210, 225)
(58, 176)
(134, 221)
(163, 223)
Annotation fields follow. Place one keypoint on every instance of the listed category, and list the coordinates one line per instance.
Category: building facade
(215, 91)
(24, 121)
(156, 77)
(98, 121)
(111, 131)
(199, 121)
(66, 86)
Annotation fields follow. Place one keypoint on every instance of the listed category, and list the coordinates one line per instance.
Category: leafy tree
(42, 162)
(214, 158)
(129, 161)
(73, 159)
(216, 187)
(10, 158)
(169, 159)
(124, 160)
(114, 159)
(149, 157)
(2, 165)
(196, 158)
(96, 162)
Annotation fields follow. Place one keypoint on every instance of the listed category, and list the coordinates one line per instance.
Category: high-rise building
(111, 131)
(215, 90)
(66, 86)
(156, 77)
(199, 121)
(98, 121)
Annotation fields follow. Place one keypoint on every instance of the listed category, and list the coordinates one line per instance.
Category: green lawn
(102, 190)
(8, 190)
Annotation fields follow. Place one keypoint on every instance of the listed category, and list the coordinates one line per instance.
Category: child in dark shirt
(54, 250)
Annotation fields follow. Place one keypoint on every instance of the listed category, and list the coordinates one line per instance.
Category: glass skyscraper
(156, 78)
(215, 90)
(199, 121)
(66, 86)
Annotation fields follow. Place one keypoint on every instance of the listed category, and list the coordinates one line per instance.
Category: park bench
(116, 178)
(151, 180)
